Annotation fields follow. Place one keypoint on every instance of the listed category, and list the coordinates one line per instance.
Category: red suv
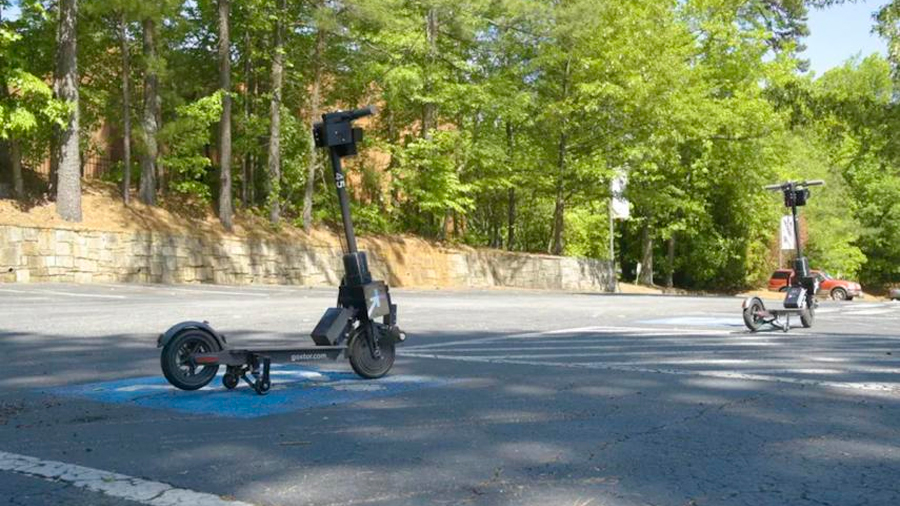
(837, 289)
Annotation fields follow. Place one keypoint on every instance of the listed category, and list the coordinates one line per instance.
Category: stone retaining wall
(57, 255)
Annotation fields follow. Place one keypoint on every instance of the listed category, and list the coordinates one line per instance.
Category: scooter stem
(796, 224)
(341, 184)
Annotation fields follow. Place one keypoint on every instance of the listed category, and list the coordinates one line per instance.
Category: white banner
(621, 209)
(787, 232)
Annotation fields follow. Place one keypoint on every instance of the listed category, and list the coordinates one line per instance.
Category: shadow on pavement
(500, 433)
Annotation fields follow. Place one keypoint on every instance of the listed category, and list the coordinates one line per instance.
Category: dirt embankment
(103, 210)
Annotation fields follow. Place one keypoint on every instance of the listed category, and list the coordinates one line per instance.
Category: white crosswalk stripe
(823, 360)
(890, 309)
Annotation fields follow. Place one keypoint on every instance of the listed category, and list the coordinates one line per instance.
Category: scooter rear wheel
(362, 361)
(177, 366)
(751, 316)
(807, 317)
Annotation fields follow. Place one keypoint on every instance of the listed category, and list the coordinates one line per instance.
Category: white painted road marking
(23, 300)
(864, 306)
(64, 294)
(730, 375)
(868, 312)
(494, 350)
(142, 491)
(217, 292)
(861, 309)
(549, 335)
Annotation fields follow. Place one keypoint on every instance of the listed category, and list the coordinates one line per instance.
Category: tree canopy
(502, 123)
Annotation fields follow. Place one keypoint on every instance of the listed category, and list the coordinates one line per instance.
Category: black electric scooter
(192, 351)
(800, 299)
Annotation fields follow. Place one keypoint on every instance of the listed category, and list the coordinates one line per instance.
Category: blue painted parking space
(293, 388)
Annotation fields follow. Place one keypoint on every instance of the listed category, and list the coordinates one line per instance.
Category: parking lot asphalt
(497, 398)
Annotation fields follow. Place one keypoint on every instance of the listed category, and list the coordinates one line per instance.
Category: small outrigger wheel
(178, 364)
(262, 386)
(230, 380)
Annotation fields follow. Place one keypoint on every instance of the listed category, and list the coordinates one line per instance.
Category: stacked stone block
(77, 256)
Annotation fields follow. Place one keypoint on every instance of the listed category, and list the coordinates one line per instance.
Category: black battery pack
(795, 298)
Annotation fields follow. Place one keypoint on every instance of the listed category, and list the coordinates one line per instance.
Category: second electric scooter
(800, 299)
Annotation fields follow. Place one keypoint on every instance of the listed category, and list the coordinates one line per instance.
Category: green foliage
(370, 218)
(187, 137)
(503, 121)
(28, 110)
(295, 148)
(587, 233)
(430, 171)
(31, 102)
(857, 114)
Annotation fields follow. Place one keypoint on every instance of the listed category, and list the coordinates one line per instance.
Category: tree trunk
(68, 196)
(393, 165)
(511, 197)
(314, 105)
(15, 155)
(646, 277)
(246, 180)
(275, 122)
(56, 130)
(254, 159)
(670, 264)
(226, 208)
(55, 136)
(149, 116)
(429, 109)
(559, 211)
(511, 219)
(126, 109)
(162, 183)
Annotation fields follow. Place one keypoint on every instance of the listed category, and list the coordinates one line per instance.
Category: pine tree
(68, 196)
(225, 198)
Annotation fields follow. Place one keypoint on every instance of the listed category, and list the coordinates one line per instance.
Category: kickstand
(260, 382)
(784, 327)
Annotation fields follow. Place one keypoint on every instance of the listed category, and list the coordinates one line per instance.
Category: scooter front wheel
(751, 316)
(362, 361)
(177, 361)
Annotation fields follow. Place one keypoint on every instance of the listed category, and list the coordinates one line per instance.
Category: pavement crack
(158, 495)
(685, 419)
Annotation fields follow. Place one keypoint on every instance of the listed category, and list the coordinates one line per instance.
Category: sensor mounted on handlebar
(336, 130)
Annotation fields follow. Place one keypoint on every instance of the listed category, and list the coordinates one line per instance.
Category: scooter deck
(783, 311)
(288, 354)
(773, 317)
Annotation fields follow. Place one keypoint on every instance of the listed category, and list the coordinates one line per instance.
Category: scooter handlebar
(797, 185)
(340, 116)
